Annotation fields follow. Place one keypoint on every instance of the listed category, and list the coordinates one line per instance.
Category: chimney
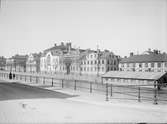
(131, 54)
(155, 51)
(55, 44)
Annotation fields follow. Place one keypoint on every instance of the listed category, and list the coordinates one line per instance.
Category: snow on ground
(86, 107)
(71, 110)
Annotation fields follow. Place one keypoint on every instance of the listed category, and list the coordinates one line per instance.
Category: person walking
(13, 75)
(10, 75)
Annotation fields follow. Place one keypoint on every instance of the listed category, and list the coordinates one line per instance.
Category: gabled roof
(145, 58)
(134, 75)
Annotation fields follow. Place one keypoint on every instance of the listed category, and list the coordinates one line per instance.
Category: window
(88, 62)
(91, 56)
(95, 61)
(49, 60)
(115, 62)
(87, 68)
(165, 64)
(140, 65)
(152, 64)
(159, 65)
(108, 62)
(102, 61)
(91, 62)
(146, 64)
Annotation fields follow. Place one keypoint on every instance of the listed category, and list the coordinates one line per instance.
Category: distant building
(2, 63)
(53, 59)
(89, 62)
(99, 62)
(149, 61)
(67, 60)
(33, 63)
(16, 63)
(70, 63)
(49, 62)
(63, 47)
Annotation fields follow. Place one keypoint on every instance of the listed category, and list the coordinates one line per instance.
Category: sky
(121, 26)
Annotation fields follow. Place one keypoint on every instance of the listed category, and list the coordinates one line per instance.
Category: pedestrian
(10, 75)
(13, 76)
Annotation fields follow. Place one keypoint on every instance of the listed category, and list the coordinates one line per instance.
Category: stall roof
(134, 75)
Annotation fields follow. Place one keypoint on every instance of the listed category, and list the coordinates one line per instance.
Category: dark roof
(134, 75)
(145, 58)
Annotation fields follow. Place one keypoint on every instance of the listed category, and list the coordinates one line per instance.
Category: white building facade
(151, 62)
(49, 62)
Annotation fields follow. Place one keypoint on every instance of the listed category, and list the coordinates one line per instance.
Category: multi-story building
(49, 62)
(89, 62)
(67, 60)
(2, 63)
(53, 59)
(99, 62)
(149, 61)
(16, 63)
(71, 62)
(33, 63)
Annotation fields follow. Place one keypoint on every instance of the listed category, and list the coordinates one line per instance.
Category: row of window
(129, 80)
(95, 55)
(145, 65)
(98, 62)
(140, 70)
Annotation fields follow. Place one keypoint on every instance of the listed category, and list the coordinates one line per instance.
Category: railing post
(155, 93)
(52, 82)
(75, 85)
(62, 85)
(30, 78)
(36, 80)
(106, 91)
(43, 80)
(25, 78)
(111, 90)
(139, 100)
(90, 87)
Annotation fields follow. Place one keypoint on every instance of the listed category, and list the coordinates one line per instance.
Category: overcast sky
(121, 26)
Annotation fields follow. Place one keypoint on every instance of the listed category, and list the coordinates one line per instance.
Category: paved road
(13, 90)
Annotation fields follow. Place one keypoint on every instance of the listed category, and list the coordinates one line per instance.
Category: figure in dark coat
(10, 75)
(13, 76)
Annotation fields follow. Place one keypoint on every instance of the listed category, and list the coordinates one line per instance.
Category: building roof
(134, 75)
(145, 58)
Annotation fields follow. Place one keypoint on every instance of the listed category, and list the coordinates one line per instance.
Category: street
(9, 91)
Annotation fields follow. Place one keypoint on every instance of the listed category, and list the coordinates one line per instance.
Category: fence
(129, 92)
